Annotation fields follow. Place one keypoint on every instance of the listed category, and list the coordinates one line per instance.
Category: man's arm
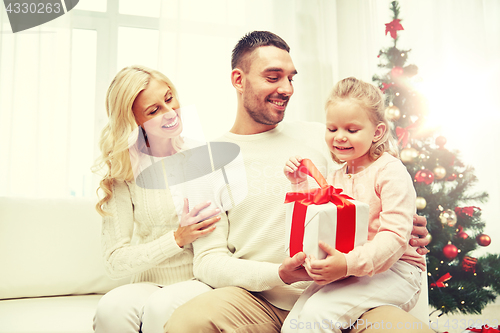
(215, 265)
(420, 231)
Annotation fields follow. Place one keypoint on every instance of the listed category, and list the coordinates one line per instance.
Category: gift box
(324, 214)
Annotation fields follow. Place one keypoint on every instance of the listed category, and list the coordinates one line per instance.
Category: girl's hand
(190, 228)
(292, 171)
(332, 268)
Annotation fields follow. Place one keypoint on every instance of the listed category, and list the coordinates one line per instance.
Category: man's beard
(260, 113)
(263, 118)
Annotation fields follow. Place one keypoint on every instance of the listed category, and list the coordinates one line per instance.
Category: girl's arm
(396, 200)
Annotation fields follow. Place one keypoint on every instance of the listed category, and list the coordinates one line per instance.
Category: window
(54, 79)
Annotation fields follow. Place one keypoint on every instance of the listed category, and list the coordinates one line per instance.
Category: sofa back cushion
(51, 247)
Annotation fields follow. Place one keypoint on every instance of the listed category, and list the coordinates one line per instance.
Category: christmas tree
(458, 282)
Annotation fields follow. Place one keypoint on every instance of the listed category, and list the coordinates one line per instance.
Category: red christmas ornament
(440, 141)
(450, 251)
(463, 235)
(452, 177)
(393, 28)
(483, 239)
(469, 264)
(424, 176)
(396, 71)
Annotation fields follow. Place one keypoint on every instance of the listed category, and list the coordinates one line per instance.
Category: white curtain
(35, 102)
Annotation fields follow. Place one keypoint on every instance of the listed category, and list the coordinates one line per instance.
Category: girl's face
(157, 111)
(350, 133)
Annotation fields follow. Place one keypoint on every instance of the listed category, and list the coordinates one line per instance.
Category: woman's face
(156, 109)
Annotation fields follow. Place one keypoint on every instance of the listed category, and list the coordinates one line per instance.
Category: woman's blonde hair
(372, 99)
(114, 142)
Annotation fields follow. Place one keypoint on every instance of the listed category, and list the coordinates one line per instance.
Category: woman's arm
(121, 258)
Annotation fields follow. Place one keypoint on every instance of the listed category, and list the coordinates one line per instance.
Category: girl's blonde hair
(114, 142)
(372, 99)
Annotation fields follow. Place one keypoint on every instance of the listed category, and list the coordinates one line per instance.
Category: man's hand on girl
(324, 271)
(420, 231)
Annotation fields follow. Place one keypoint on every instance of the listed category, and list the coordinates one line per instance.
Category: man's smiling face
(268, 84)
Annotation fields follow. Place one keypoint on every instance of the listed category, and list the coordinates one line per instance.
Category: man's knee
(194, 316)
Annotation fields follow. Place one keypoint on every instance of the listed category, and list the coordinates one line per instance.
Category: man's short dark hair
(250, 42)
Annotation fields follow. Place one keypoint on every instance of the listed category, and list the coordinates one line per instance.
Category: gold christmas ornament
(408, 155)
(448, 217)
(429, 237)
(420, 203)
(439, 172)
(392, 113)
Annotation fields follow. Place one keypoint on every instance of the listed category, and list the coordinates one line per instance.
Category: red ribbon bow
(466, 210)
(326, 193)
(393, 28)
(403, 134)
(485, 329)
(439, 283)
(386, 86)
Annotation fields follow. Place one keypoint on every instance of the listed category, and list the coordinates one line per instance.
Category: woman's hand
(292, 170)
(190, 228)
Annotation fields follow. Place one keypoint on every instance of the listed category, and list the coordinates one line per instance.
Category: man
(245, 256)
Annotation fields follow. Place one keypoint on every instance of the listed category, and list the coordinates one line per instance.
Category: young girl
(385, 270)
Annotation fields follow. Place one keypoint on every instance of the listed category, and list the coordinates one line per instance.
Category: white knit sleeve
(215, 265)
(121, 258)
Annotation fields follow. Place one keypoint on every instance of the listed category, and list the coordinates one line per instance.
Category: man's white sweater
(248, 244)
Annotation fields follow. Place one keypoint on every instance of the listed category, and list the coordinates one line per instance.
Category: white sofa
(52, 275)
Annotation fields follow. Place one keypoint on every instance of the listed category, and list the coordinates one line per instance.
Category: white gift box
(321, 223)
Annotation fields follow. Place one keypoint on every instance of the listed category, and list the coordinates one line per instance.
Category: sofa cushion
(66, 314)
(51, 247)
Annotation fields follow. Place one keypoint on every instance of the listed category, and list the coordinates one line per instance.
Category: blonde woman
(141, 233)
